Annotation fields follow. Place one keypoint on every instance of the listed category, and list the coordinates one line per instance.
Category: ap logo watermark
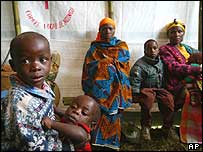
(193, 146)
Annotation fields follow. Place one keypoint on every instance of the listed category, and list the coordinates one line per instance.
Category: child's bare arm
(59, 111)
(46, 122)
(75, 133)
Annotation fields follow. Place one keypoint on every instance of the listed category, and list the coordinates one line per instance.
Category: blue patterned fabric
(21, 114)
(105, 77)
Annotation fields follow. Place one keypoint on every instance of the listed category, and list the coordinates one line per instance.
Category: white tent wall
(136, 21)
(7, 27)
(140, 20)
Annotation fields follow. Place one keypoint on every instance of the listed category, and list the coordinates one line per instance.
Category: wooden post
(110, 10)
(16, 17)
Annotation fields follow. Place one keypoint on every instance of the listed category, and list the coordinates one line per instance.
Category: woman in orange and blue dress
(105, 77)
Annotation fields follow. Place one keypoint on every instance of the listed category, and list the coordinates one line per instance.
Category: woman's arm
(175, 67)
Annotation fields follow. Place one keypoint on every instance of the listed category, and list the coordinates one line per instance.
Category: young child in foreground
(76, 123)
(30, 97)
(146, 78)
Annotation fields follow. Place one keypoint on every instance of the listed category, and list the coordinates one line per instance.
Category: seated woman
(175, 56)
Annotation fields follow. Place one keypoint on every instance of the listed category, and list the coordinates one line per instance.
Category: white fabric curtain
(70, 26)
(7, 28)
(62, 20)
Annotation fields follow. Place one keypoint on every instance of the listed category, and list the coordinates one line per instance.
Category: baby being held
(76, 123)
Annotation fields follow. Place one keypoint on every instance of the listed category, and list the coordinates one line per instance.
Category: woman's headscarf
(104, 21)
(176, 23)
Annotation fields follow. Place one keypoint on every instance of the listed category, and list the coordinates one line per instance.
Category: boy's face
(151, 49)
(107, 31)
(32, 60)
(81, 110)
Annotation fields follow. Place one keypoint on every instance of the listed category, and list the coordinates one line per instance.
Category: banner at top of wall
(62, 20)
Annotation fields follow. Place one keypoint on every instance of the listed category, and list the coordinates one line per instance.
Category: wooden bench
(136, 108)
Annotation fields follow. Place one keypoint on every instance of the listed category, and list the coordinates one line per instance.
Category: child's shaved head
(31, 58)
(19, 41)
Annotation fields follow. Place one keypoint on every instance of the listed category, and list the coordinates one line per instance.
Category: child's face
(152, 50)
(81, 110)
(107, 31)
(32, 60)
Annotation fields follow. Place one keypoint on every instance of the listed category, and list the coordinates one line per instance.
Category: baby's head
(83, 109)
(30, 58)
(151, 48)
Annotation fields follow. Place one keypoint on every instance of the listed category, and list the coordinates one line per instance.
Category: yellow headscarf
(176, 23)
(104, 21)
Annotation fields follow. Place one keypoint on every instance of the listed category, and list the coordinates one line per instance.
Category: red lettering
(55, 26)
(48, 26)
(68, 16)
(36, 23)
(61, 24)
(32, 19)
(67, 19)
(51, 26)
(29, 15)
(71, 11)
(28, 11)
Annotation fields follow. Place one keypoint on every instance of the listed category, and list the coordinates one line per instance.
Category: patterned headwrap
(176, 23)
(104, 21)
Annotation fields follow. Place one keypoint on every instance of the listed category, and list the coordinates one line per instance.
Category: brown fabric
(146, 99)
(6, 71)
(195, 58)
(195, 93)
(180, 96)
